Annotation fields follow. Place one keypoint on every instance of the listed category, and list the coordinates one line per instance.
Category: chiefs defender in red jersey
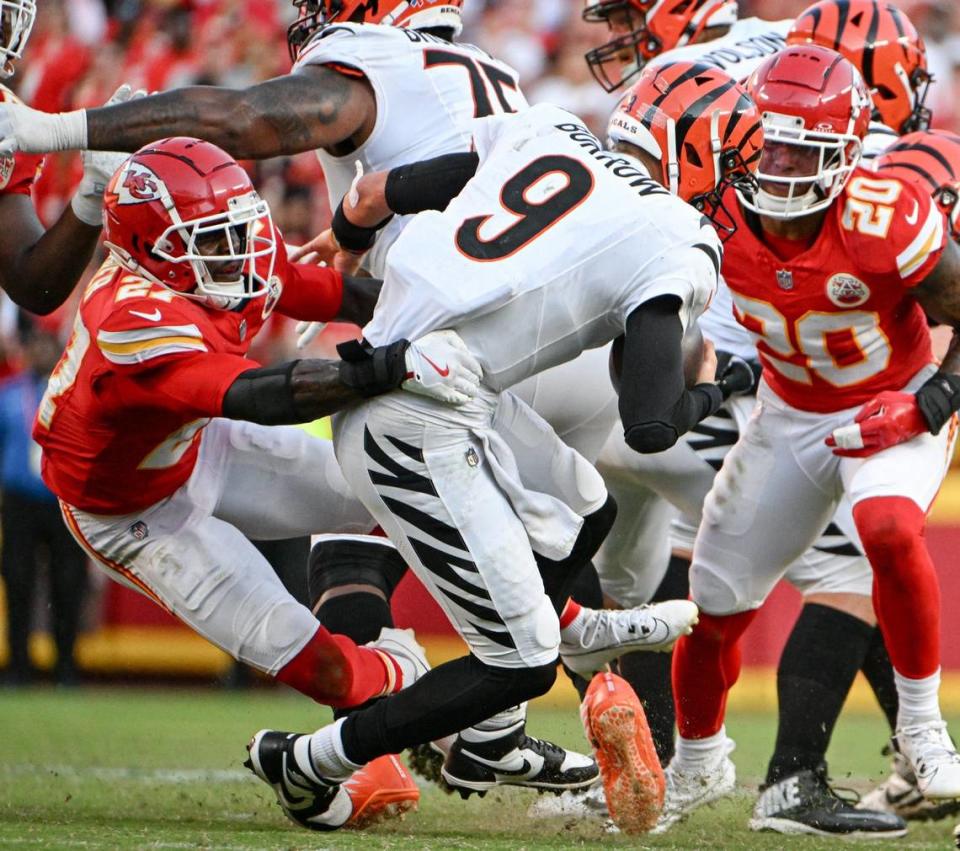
(155, 435)
(831, 268)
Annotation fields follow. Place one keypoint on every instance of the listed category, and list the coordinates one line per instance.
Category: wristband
(938, 400)
(351, 237)
(372, 371)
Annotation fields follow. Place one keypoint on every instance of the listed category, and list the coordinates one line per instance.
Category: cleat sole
(633, 790)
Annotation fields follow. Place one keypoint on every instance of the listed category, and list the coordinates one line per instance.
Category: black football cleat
(305, 799)
(512, 758)
(805, 803)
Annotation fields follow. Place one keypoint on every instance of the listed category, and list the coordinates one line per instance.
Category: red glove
(886, 420)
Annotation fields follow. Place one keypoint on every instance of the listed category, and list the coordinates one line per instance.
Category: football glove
(98, 168)
(736, 376)
(886, 420)
(439, 365)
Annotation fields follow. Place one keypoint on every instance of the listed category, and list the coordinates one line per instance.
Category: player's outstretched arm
(438, 366)
(313, 108)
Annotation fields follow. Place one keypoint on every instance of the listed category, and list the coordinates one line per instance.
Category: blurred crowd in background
(82, 50)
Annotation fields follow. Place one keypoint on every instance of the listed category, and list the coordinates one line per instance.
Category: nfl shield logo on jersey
(785, 279)
(847, 291)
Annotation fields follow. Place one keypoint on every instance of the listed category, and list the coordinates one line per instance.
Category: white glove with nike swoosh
(439, 365)
(98, 168)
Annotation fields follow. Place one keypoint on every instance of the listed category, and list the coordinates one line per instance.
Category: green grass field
(140, 768)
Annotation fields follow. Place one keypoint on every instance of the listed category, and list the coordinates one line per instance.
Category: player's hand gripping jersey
(144, 371)
(837, 324)
(553, 235)
(428, 93)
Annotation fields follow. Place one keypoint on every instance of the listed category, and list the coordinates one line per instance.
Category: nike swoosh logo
(524, 771)
(152, 317)
(443, 373)
(912, 218)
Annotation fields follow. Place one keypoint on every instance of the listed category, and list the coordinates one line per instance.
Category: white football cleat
(401, 644)
(899, 794)
(690, 787)
(610, 633)
(933, 758)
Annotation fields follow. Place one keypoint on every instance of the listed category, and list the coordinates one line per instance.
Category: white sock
(326, 753)
(570, 634)
(700, 752)
(499, 724)
(919, 699)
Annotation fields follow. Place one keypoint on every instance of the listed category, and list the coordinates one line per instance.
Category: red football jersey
(17, 171)
(837, 324)
(144, 371)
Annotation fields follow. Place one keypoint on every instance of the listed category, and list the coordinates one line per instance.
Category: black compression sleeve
(429, 184)
(263, 396)
(655, 405)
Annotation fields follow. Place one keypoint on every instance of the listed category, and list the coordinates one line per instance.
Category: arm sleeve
(309, 292)
(429, 184)
(655, 405)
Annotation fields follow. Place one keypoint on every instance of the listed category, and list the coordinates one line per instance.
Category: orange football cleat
(383, 789)
(616, 727)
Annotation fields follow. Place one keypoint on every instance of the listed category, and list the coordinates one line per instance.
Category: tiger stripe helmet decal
(886, 48)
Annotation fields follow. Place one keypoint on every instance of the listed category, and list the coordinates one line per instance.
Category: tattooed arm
(315, 107)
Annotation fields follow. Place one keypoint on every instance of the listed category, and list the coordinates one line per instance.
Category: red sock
(333, 670)
(569, 613)
(706, 664)
(906, 593)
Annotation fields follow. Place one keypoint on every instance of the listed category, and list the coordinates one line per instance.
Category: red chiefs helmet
(887, 49)
(816, 111)
(930, 159)
(183, 214)
(702, 126)
(16, 22)
(415, 14)
(647, 28)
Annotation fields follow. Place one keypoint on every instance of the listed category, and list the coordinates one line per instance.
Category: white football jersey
(428, 91)
(749, 42)
(744, 48)
(547, 250)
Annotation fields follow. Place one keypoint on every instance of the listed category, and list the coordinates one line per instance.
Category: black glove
(372, 371)
(735, 376)
(938, 400)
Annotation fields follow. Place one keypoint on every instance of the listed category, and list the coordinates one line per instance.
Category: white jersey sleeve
(428, 93)
(545, 253)
(879, 137)
(749, 42)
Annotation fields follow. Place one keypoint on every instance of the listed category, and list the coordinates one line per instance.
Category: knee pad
(336, 561)
(715, 595)
(888, 526)
(536, 637)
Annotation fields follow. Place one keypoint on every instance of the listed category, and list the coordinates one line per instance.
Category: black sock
(451, 697)
(649, 673)
(817, 669)
(587, 592)
(561, 576)
(879, 673)
(359, 615)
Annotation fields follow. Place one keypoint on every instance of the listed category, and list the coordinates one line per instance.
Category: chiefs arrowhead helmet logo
(137, 184)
